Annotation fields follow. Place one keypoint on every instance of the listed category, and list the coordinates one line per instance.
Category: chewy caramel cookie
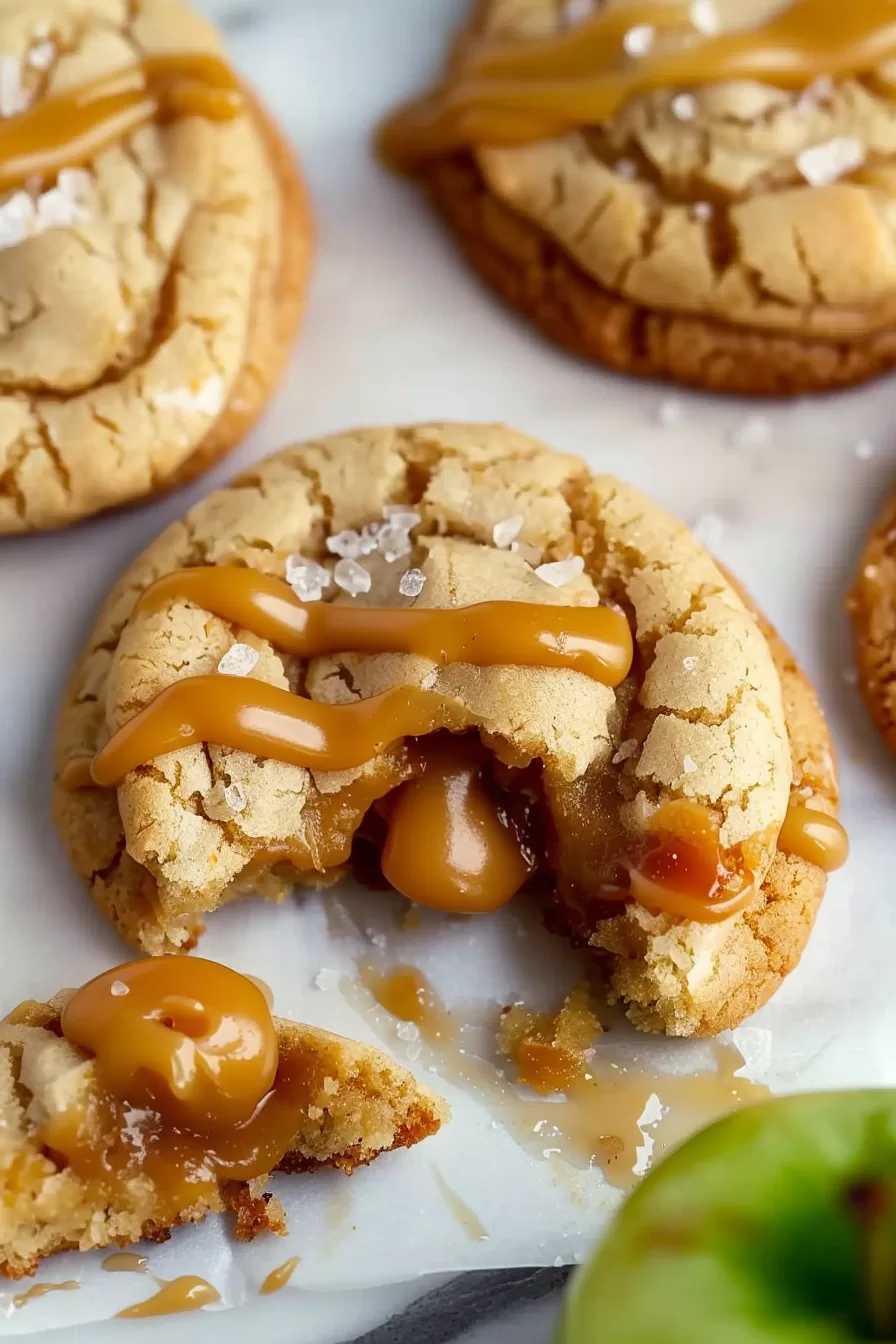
(872, 610)
(700, 192)
(154, 245)
(447, 640)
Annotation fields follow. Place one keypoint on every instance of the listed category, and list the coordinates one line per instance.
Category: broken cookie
(163, 1091)
(701, 192)
(154, 244)
(451, 648)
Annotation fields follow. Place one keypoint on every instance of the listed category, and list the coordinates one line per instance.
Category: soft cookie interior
(707, 714)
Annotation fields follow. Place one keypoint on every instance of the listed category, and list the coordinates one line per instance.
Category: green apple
(776, 1225)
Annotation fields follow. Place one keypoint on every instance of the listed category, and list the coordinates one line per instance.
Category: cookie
(872, 610)
(704, 712)
(730, 235)
(353, 1103)
(152, 287)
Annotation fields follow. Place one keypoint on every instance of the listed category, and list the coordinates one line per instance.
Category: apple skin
(752, 1232)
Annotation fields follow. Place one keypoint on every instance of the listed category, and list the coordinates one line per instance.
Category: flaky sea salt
(42, 55)
(399, 515)
(346, 544)
(238, 661)
(709, 529)
(326, 978)
(118, 988)
(626, 750)
(689, 765)
(821, 164)
(369, 534)
(235, 797)
(411, 583)
(351, 577)
(306, 578)
(705, 16)
(685, 106)
(639, 40)
(559, 572)
(690, 662)
(670, 412)
(819, 91)
(626, 168)
(751, 432)
(407, 1031)
(205, 398)
(429, 680)
(14, 97)
(393, 542)
(864, 450)
(505, 532)
(701, 211)
(17, 216)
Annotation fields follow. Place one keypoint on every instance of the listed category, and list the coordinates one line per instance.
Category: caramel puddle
(125, 1262)
(187, 1293)
(280, 1276)
(600, 1118)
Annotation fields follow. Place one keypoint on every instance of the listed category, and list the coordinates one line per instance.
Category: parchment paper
(397, 330)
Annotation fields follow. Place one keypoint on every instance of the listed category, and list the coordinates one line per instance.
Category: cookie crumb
(825, 163)
(351, 577)
(505, 532)
(235, 797)
(639, 40)
(238, 661)
(559, 572)
(411, 583)
(306, 578)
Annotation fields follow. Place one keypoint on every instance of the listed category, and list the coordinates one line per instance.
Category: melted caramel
(509, 92)
(596, 641)
(69, 129)
(814, 836)
(449, 844)
(125, 1262)
(465, 1217)
(279, 1277)
(187, 1293)
(683, 870)
(596, 1120)
(41, 1289)
(188, 1087)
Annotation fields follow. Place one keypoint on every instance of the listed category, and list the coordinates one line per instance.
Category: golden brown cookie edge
(537, 277)
(872, 611)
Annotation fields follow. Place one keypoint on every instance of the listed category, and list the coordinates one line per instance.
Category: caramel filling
(504, 92)
(452, 837)
(188, 1089)
(69, 129)
(814, 836)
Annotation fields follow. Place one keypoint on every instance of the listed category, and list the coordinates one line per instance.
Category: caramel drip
(279, 1277)
(69, 129)
(41, 1289)
(465, 1217)
(596, 641)
(511, 92)
(187, 1293)
(814, 836)
(189, 1087)
(125, 1262)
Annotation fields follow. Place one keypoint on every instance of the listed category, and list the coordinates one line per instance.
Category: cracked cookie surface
(714, 711)
(683, 240)
(143, 329)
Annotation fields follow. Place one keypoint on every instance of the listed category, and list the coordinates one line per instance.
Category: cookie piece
(735, 237)
(707, 715)
(360, 1104)
(150, 298)
(872, 610)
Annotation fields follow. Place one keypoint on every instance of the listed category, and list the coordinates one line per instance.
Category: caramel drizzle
(69, 129)
(187, 1293)
(280, 1276)
(516, 92)
(815, 837)
(266, 720)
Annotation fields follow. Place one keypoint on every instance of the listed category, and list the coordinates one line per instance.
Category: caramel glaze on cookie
(154, 246)
(710, 207)
(713, 721)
